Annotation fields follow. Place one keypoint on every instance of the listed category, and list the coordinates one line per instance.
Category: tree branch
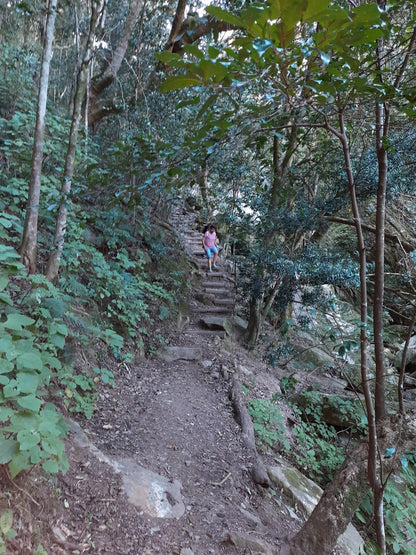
(408, 247)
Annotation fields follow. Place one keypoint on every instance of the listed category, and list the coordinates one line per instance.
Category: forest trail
(161, 467)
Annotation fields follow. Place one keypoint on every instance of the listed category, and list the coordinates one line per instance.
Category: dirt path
(169, 418)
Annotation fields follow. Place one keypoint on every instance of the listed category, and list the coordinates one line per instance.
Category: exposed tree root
(258, 472)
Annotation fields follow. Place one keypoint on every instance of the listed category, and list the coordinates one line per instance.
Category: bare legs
(212, 261)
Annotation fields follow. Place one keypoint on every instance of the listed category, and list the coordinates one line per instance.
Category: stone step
(218, 291)
(205, 332)
(213, 282)
(220, 310)
(224, 302)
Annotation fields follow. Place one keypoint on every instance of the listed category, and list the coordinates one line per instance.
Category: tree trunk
(176, 24)
(255, 322)
(60, 228)
(99, 84)
(30, 230)
(261, 303)
(350, 485)
(203, 187)
(335, 509)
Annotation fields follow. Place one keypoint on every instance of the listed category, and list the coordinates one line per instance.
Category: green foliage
(7, 532)
(399, 511)
(318, 454)
(288, 384)
(267, 422)
(314, 405)
(79, 392)
(31, 430)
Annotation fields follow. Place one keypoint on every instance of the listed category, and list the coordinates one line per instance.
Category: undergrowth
(116, 280)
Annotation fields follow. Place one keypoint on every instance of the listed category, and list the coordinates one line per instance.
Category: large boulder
(342, 411)
(305, 494)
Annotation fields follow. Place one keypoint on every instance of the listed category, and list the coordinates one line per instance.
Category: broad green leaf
(223, 15)
(313, 9)
(50, 361)
(10, 390)
(8, 253)
(368, 14)
(22, 421)
(6, 299)
(8, 449)
(213, 53)
(194, 50)
(61, 329)
(19, 463)
(17, 321)
(29, 402)
(4, 280)
(168, 57)
(6, 520)
(28, 382)
(389, 452)
(5, 365)
(179, 82)
(27, 439)
(5, 223)
(50, 466)
(5, 413)
(29, 361)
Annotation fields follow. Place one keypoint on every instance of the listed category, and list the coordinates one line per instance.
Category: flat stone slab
(169, 354)
(211, 309)
(214, 322)
(154, 494)
(218, 291)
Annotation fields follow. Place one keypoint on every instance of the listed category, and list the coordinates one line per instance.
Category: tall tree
(61, 219)
(30, 230)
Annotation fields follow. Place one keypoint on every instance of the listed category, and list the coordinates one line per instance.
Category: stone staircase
(211, 311)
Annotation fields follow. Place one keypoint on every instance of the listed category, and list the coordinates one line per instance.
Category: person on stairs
(209, 242)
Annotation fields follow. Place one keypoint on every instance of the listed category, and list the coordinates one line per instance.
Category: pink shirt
(210, 239)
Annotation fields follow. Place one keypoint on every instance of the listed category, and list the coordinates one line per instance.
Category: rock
(213, 323)
(187, 551)
(169, 354)
(239, 323)
(296, 486)
(207, 363)
(342, 411)
(410, 355)
(245, 371)
(204, 298)
(225, 372)
(154, 494)
(253, 519)
(245, 542)
(315, 357)
(306, 494)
